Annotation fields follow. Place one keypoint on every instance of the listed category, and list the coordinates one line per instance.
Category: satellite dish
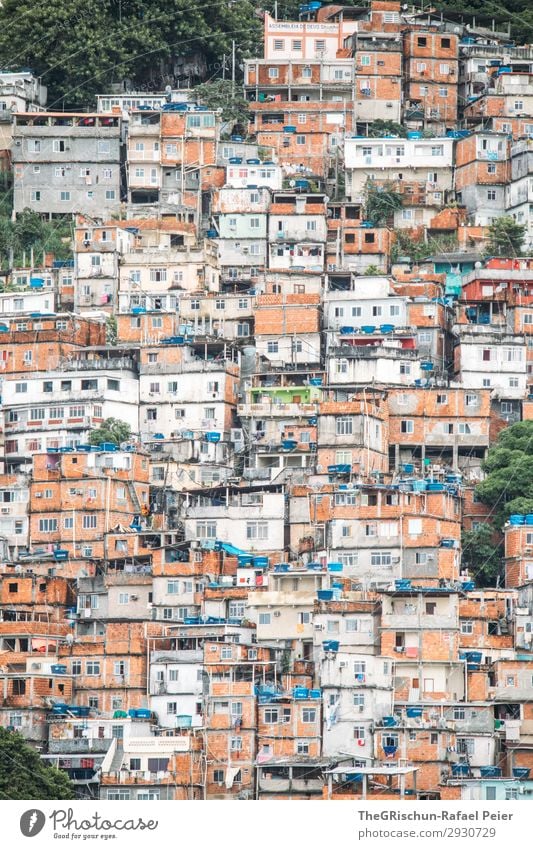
(168, 88)
(292, 183)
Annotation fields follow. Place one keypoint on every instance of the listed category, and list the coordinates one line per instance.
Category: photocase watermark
(65, 825)
(32, 822)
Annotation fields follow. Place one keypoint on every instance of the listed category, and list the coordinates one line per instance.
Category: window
(273, 73)
(64, 196)
(459, 713)
(491, 194)
(236, 609)
(264, 619)
(304, 618)
(206, 530)
(36, 195)
(407, 426)
(89, 521)
(301, 140)
(272, 347)
(235, 744)
(257, 530)
(92, 667)
(120, 668)
(359, 732)
(308, 715)
(279, 44)
(47, 526)
(34, 145)
(123, 598)
(302, 747)
(381, 558)
(344, 425)
(76, 667)
(271, 716)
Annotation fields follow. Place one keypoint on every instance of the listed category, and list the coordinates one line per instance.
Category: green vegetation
(23, 775)
(111, 430)
(506, 237)
(111, 330)
(481, 555)
(508, 487)
(420, 250)
(381, 202)
(219, 94)
(31, 232)
(379, 128)
(112, 40)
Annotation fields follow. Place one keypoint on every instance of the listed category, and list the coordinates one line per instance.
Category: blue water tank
(325, 595)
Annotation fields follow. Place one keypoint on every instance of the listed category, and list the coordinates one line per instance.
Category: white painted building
(252, 521)
(493, 361)
(408, 160)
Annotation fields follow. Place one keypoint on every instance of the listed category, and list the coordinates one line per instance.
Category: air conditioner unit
(86, 612)
(38, 495)
(319, 627)
(277, 613)
(6, 510)
(134, 597)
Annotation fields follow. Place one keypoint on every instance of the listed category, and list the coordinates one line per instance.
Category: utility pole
(233, 67)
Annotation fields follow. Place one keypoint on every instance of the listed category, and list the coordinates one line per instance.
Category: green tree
(379, 128)
(508, 486)
(506, 237)
(110, 41)
(381, 202)
(220, 94)
(481, 555)
(111, 430)
(31, 232)
(111, 330)
(23, 775)
(404, 245)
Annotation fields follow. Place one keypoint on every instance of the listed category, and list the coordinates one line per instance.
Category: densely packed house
(260, 592)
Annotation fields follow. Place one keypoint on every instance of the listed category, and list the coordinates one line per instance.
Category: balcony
(274, 409)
